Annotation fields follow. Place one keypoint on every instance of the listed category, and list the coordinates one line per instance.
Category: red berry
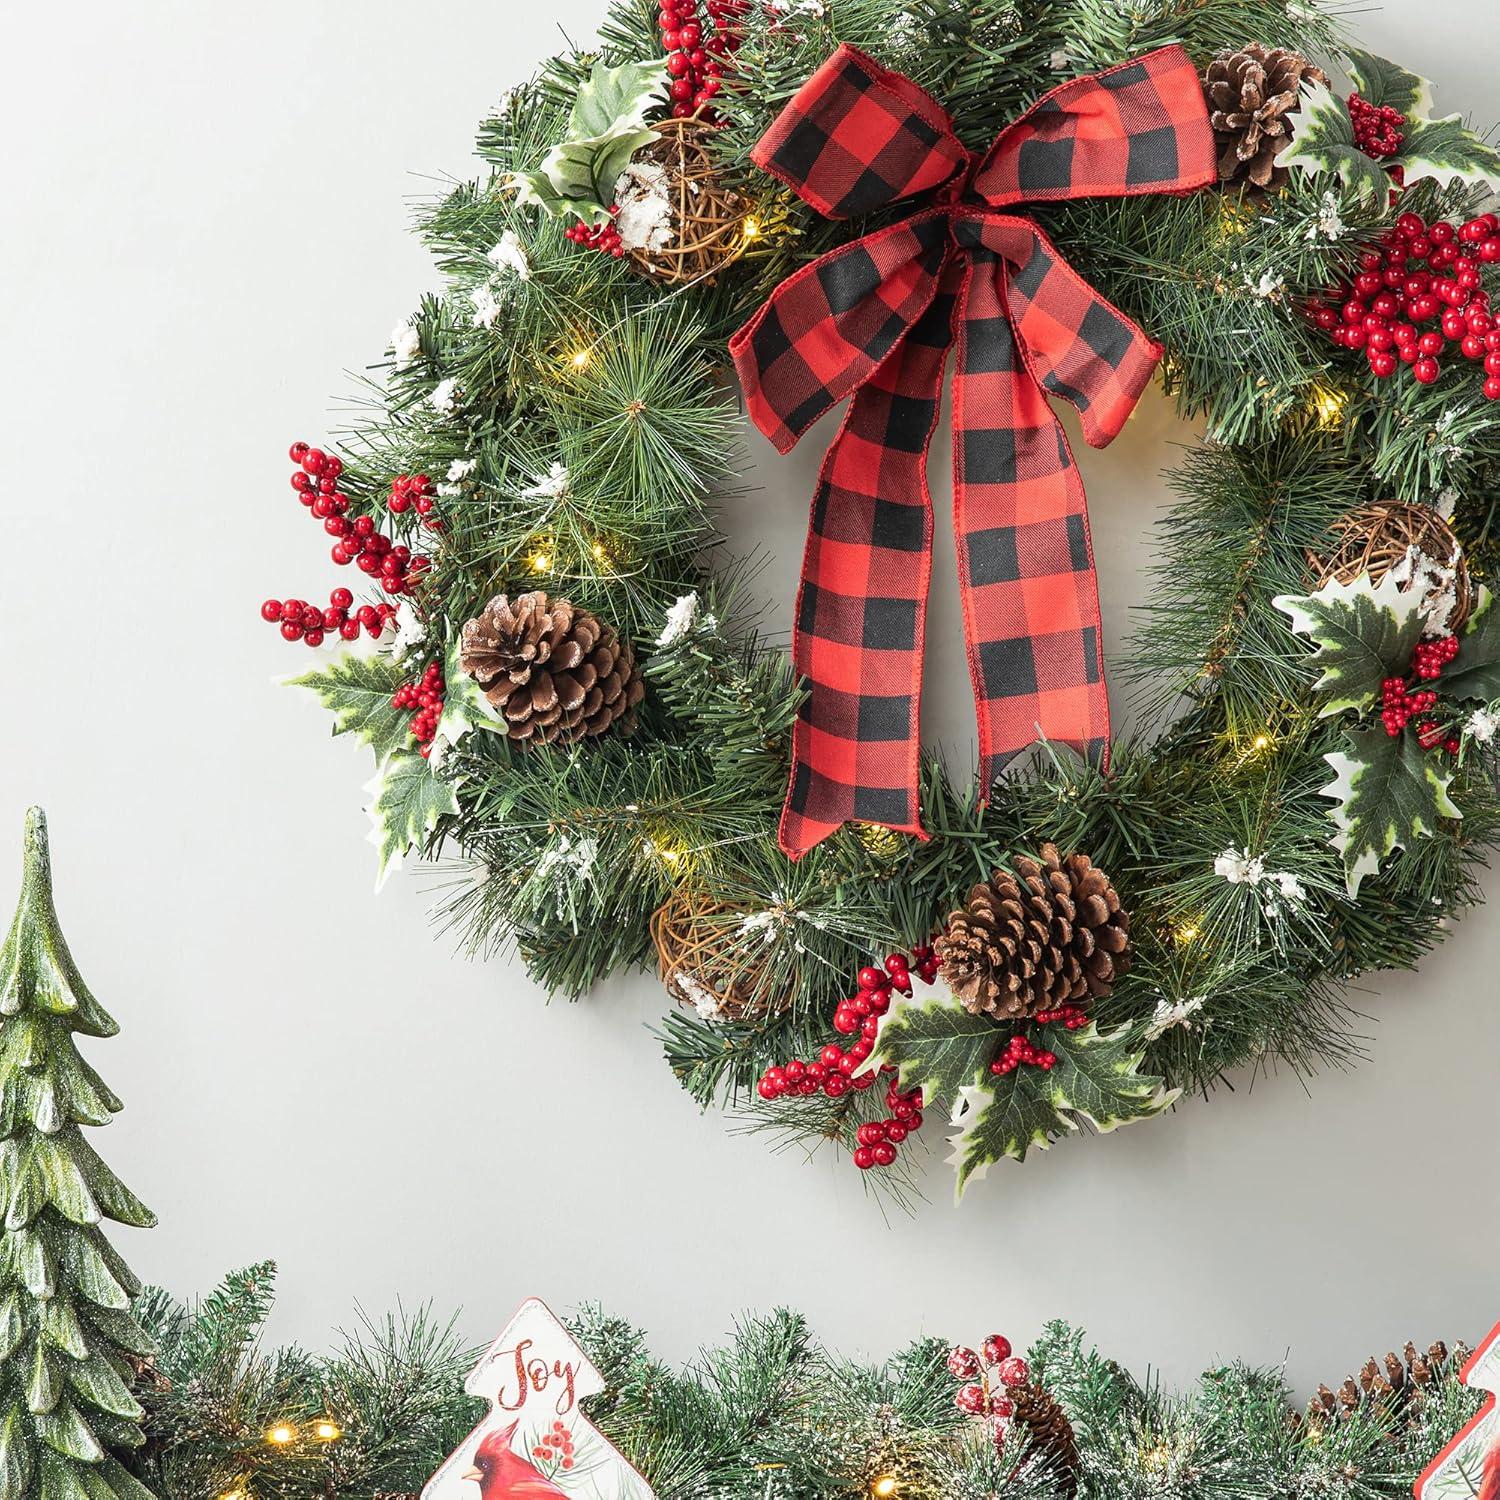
(996, 1348)
(1013, 1371)
(1426, 370)
(963, 1363)
(971, 1399)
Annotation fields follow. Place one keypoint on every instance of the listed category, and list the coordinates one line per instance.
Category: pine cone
(1047, 935)
(1048, 1433)
(1395, 1382)
(1251, 93)
(552, 670)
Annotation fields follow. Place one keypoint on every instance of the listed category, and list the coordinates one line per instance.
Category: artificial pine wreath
(1319, 684)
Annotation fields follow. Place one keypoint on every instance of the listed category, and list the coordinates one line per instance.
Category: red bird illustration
(502, 1474)
(1489, 1488)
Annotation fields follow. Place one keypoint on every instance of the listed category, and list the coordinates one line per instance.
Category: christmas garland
(571, 702)
(773, 1415)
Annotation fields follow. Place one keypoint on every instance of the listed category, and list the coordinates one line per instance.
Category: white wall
(205, 225)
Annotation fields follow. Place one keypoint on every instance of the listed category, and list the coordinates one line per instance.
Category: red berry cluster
(1422, 273)
(413, 492)
(696, 61)
(555, 1445)
(988, 1379)
(1020, 1052)
(424, 698)
(1431, 657)
(605, 238)
(1071, 1017)
(316, 482)
(876, 1141)
(1377, 127)
(1399, 705)
(837, 1071)
(301, 621)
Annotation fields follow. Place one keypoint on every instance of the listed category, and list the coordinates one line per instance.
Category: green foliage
(68, 1339)
(393, 1391)
(1323, 141)
(1443, 150)
(1388, 85)
(1364, 633)
(1096, 1082)
(769, 1414)
(407, 802)
(606, 127)
(357, 691)
(1476, 669)
(1387, 791)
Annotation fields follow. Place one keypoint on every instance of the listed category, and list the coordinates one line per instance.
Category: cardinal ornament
(1469, 1467)
(535, 1444)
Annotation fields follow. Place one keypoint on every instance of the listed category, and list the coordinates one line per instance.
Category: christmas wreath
(569, 697)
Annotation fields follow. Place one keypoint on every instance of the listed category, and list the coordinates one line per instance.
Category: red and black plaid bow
(875, 318)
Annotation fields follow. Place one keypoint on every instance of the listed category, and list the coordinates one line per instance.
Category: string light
(1156, 1460)
(665, 851)
(1328, 406)
(1261, 742)
(878, 840)
(884, 1487)
(281, 1435)
(580, 359)
(328, 1432)
(751, 229)
(1186, 932)
(540, 561)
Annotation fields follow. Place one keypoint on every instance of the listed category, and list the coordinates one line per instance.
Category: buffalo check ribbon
(875, 319)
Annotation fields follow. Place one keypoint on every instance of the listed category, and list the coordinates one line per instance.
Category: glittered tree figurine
(67, 1333)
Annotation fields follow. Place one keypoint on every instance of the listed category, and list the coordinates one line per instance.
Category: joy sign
(1469, 1466)
(535, 1443)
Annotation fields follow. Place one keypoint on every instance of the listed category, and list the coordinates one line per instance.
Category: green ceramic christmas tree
(67, 1333)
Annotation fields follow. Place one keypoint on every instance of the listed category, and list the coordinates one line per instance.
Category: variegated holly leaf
(606, 127)
(1387, 791)
(358, 691)
(1322, 140)
(1096, 1081)
(1382, 82)
(1448, 151)
(935, 1043)
(465, 706)
(1475, 672)
(1364, 633)
(407, 799)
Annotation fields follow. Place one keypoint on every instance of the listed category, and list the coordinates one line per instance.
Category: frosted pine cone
(1251, 94)
(1038, 936)
(553, 671)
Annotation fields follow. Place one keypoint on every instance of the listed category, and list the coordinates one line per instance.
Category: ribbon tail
(861, 608)
(1026, 567)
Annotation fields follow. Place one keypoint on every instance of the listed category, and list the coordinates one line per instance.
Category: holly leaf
(617, 100)
(935, 1043)
(606, 127)
(357, 690)
(407, 799)
(1382, 82)
(1364, 633)
(1448, 151)
(465, 707)
(1387, 790)
(1096, 1081)
(1475, 672)
(1322, 140)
